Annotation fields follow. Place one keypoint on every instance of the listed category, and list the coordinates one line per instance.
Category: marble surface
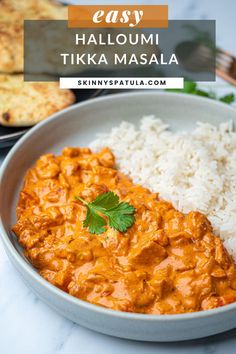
(28, 326)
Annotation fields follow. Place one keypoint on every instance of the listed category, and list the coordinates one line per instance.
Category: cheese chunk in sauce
(166, 263)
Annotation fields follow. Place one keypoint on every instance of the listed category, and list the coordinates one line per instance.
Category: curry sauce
(166, 263)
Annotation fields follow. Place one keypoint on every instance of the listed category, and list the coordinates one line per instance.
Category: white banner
(121, 83)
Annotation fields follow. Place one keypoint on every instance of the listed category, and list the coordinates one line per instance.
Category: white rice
(194, 171)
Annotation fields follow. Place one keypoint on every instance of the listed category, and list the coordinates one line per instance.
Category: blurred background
(221, 11)
(224, 12)
(29, 326)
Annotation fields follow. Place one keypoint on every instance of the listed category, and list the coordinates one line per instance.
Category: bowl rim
(26, 267)
(9, 139)
(11, 136)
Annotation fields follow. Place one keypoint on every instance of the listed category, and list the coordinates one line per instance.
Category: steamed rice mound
(193, 170)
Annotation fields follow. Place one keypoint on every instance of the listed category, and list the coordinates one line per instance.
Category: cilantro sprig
(192, 88)
(107, 209)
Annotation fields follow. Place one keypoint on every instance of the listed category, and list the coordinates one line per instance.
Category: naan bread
(12, 16)
(27, 103)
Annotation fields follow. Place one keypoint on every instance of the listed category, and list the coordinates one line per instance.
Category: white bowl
(77, 126)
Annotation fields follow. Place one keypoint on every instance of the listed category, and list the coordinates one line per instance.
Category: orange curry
(166, 263)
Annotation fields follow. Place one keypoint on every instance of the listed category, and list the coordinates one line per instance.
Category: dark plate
(8, 136)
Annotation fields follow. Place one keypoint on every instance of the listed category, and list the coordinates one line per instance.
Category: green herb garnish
(227, 98)
(107, 209)
(191, 88)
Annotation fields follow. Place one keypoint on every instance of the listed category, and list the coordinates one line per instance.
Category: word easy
(115, 16)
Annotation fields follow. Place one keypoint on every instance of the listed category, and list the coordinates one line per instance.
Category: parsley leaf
(121, 217)
(107, 208)
(95, 222)
(106, 201)
(227, 98)
(191, 88)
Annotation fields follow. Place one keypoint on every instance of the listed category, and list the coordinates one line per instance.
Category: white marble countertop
(28, 326)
